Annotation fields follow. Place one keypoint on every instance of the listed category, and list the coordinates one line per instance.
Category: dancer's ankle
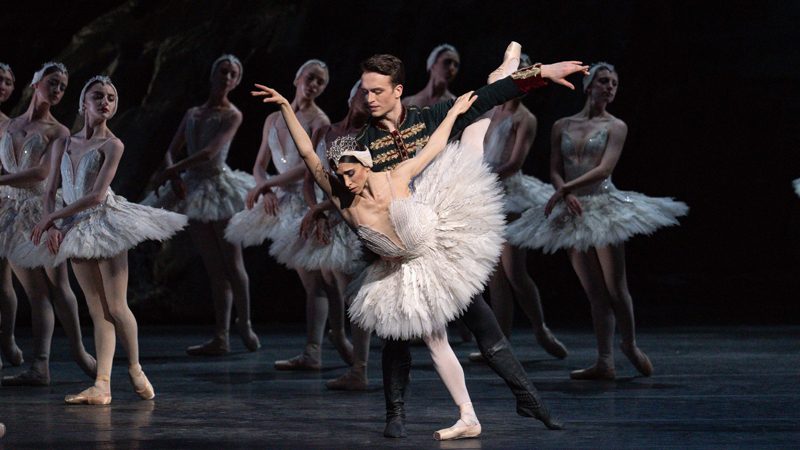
(103, 383)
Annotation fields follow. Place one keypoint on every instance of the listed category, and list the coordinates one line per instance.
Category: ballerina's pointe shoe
(594, 373)
(13, 354)
(91, 396)
(249, 337)
(511, 56)
(637, 357)
(218, 346)
(351, 381)
(2, 430)
(343, 347)
(551, 344)
(458, 432)
(303, 361)
(135, 373)
(28, 378)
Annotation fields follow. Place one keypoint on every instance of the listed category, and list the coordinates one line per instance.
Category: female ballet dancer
(443, 64)
(96, 228)
(431, 263)
(591, 219)
(205, 189)
(278, 214)
(8, 298)
(510, 136)
(25, 146)
(337, 252)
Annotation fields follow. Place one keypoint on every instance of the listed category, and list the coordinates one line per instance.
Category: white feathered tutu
(796, 184)
(212, 193)
(609, 217)
(20, 211)
(523, 192)
(342, 254)
(451, 229)
(102, 231)
(253, 226)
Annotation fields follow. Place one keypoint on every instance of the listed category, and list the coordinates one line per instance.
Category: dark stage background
(710, 92)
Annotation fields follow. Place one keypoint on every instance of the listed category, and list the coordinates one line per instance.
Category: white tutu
(451, 229)
(20, 211)
(524, 192)
(796, 184)
(342, 254)
(211, 194)
(609, 217)
(253, 226)
(103, 231)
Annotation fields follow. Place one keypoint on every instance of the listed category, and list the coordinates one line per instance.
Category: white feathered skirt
(211, 194)
(103, 231)
(796, 184)
(450, 249)
(20, 210)
(608, 218)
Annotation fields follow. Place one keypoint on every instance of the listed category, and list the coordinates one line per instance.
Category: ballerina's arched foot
(303, 361)
(91, 396)
(551, 344)
(141, 385)
(350, 381)
(343, 347)
(512, 53)
(458, 432)
(28, 378)
(249, 337)
(13, 354)
(594, 373)
(637, 357)
(218, 346)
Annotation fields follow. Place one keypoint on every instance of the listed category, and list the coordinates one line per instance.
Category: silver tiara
(101, 79)
(340, 146)
(37, 77)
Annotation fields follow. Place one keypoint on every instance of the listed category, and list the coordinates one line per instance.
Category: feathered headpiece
(104, 81)
(231, 59)
(37, 77)
(437, 51)
(587, 79)
(310, 62)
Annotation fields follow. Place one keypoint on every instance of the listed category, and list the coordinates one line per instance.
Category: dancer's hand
(41, 228)
(54, 240)
(559, 71)
(269, 95)
(252, 197)
(316, 220)
(271, 204)
(463, 103)
(573, 204)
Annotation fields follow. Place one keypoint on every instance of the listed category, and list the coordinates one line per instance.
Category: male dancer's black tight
(480, 320)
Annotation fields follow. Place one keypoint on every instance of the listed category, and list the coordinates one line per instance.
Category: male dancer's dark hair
(386, 65)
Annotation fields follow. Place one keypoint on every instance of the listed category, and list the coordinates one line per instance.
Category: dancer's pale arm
(228, 127)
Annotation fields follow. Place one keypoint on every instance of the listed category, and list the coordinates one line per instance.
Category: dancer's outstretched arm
(301, 139)
(437, 142)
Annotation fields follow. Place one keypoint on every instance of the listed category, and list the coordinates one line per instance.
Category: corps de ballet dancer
(395, 133)
(209, 193)
(25, 152)
(442, 64)
(591, 219)
(508, 140)
(337, 252)
(94, 230)
(8, 298)
(431, 262)
(275, 209)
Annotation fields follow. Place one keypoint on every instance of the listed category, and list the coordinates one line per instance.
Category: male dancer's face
(381, 96)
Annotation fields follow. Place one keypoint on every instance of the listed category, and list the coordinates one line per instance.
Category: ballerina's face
(446, 66)
(353, 176)
(359, 103)
(603, 87)
(100, 101)
(312, 81)
(50, 89)
(226, 76)
(6, 85)
(381, 96)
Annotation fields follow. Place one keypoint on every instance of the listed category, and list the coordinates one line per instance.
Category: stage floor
(721, 388)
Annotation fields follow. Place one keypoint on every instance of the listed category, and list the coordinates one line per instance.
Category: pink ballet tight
(452, 375)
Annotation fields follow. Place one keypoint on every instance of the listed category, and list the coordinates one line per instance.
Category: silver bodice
(78, 184)
(496, 150)
(16, 160)
(578, 162)
(199, 133)
(284, 157)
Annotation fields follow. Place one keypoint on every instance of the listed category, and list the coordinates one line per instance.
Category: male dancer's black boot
(502, 360)
(396, 364)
